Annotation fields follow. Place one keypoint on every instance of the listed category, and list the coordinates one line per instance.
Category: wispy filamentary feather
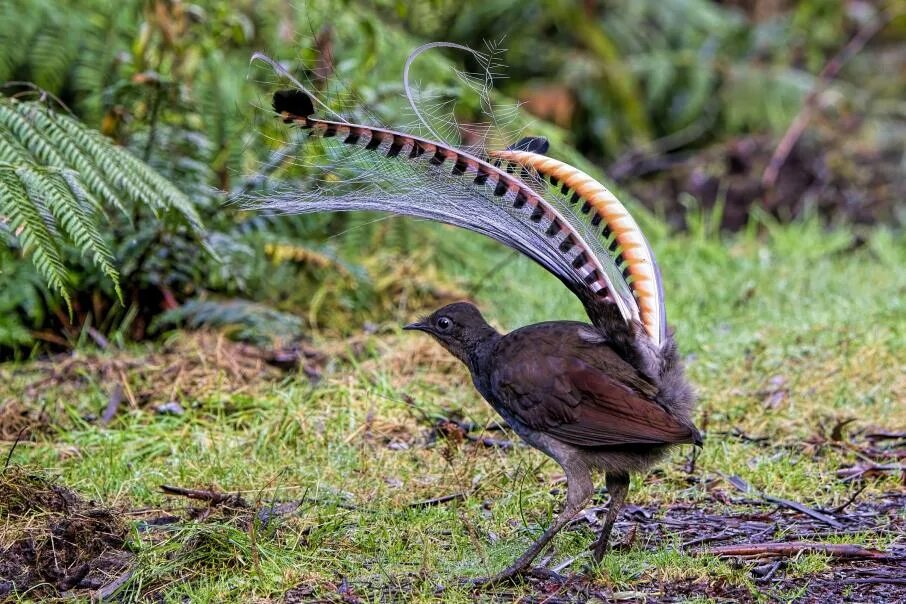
(550, 213)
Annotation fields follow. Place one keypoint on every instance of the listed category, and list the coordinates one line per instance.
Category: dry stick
(438, 500)
(793, 548)
(487, 441)
(116, 397)
(828, 73)
(849, 501)
(98, 338)
(794, 505)
(108, 590)
(9, 455)
(876, 580)
(564, 565)
(708, 539)
(15, 444)
(885, 435)
(856, 472)
(745, 487)
(211, 497)
(767, 576)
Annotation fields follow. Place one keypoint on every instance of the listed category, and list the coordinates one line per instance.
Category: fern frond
(126, 172)
(41, 136)
(28, 223)
(243, 320)
(52, 52)
(63, 196)
(57, 177)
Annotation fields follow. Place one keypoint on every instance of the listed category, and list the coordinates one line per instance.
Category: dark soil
(829, 172)
(53, 540)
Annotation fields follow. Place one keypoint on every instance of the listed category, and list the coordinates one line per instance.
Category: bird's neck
(479, 347)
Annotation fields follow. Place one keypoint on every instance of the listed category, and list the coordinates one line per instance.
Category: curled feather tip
(293, 102)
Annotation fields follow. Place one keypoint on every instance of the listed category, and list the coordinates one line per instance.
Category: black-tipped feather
(535, 144)
(406, 174)
(294, 102)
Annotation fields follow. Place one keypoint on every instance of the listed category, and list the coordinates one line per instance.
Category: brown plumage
(592, 399)
(610, 396)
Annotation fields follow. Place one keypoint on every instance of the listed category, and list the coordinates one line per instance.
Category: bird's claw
(503, 577)
(513, 575)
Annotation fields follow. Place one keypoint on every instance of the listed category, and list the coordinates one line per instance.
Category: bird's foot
(515, 575)
(509, 575)
(598, 555)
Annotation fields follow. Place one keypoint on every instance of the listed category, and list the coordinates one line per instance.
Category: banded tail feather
(430, 179)
(620, 232)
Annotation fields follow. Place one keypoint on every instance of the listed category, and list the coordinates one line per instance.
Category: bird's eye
(444, 323)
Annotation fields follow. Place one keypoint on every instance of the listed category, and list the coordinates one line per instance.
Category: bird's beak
(417, 326)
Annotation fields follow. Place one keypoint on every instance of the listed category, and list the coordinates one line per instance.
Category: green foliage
(170, 88)
(68, 52)
(57, 179)
(242, 319)
(635, 72)
(22, 303)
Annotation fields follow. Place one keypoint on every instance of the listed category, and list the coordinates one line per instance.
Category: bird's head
(459, 327)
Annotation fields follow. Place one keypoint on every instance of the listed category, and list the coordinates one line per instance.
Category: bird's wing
(588, 402)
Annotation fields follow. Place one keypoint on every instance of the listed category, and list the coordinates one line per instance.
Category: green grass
(786, 332)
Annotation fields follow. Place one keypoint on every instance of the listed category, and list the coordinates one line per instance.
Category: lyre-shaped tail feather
(627, 243)
(404, 174)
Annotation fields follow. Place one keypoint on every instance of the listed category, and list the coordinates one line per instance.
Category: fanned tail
(435, 110)
(405, 174)
(395, 172)
(620, 233)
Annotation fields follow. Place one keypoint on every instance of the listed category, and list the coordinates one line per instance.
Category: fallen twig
(828, 73)
(863, 469)
(877, 580)
(745, 487)
(799, 507)
(565, 564)
(113, 404)
(886, 436)
(487, 441)
(98, 338)
(849, 501)
(108, 590)
(9, 455)
(737, 433)
(438, 500)
(212, 497)
(722, 536)
(765, 572)
(794, 548)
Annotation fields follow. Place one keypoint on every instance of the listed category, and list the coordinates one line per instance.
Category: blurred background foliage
(679, 103)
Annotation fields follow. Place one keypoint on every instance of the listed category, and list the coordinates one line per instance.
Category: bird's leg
(617, 486)
(579, 489)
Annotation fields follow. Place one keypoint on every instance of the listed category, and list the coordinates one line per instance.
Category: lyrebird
(607, 396)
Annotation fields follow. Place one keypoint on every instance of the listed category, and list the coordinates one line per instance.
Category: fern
(244, 320)
(57, 178)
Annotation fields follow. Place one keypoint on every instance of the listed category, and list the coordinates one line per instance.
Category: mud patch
(53, 540)
(831, 172)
